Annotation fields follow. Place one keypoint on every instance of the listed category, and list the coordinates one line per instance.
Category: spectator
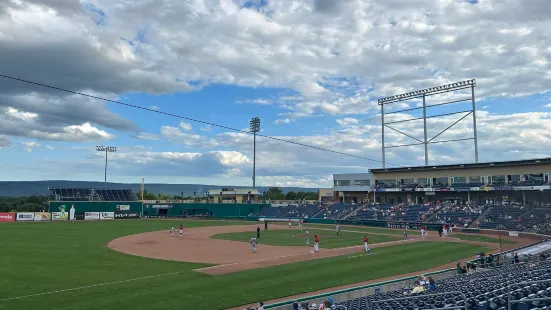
(418, 288)
(432, 284)
(260, 305)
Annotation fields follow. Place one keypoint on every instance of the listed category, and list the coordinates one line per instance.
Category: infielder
(405, 232)
(300, 224)
(316, 243)
(253, 244)
(445, 230)
(366, 246)
(338, 229)
(422, 231)
(307, 237)
(171, 231)
(181, 229)
(289, 223)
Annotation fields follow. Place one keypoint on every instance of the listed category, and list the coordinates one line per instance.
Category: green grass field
(37, 259)
(295, 237)
(368, 230)
(482, 238)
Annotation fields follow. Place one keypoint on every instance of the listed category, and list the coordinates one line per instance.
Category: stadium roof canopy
(527, 162)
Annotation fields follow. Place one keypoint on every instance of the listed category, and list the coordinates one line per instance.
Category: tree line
(275, 193)
(33, 203)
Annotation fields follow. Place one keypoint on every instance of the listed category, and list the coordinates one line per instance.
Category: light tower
(254, 126)
(106, 149)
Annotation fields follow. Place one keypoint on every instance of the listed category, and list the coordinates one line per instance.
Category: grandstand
(89, 194)
(483, 290)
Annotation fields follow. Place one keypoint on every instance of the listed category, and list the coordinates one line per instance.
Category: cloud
(146, 136)
(548, 105)
(49, 147)
(4, 142)
(154, 108)
(207, 128)
(185, 126)
(28, 146)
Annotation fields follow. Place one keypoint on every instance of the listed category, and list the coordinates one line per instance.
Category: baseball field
(136, 264)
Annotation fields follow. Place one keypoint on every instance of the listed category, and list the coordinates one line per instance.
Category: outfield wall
(153, 210)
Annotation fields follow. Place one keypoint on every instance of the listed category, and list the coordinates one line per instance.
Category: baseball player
(181, 229)
(253, 244)
(366, 246)
(316, 243)
(422, 231)
(445, 230)
(289, 223)
(405, 232)
(338, 229)
(171, 231)
(307, 237)
(300, 224)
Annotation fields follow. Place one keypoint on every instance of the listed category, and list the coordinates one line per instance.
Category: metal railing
(524, 300)
(455, 307)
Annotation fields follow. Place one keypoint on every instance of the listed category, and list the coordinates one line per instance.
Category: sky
(311, 70)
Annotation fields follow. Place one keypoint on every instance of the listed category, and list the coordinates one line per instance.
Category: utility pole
(254, 126)
(106, 149)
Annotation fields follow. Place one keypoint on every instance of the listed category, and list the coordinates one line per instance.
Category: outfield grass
(43, 257)
(482, 238)
(374, 230)
(295, 237)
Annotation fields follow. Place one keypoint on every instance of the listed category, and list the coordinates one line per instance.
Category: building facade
(518, 181)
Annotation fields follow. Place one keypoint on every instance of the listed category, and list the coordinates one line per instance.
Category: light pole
(254, 126)
(106, 149)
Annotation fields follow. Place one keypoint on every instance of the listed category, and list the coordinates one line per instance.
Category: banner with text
(79, 216)
(7, 217)
(127, 215)
(91, 216)
(25, 217)
(59, 216)
(106, 215)
(42, 216)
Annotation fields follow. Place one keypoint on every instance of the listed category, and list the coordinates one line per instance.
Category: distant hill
(28, 188)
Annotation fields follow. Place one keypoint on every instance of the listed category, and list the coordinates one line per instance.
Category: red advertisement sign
(7, 217)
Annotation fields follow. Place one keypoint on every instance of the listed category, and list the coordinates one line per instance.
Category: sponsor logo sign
(106, 215)
(91, 215)
(161, 206)
(7, 217)
(430, 193)
(513, 233)
(123, 207)
(79, 216)
(127, 215)
(42, 216)
(58, 216)
(25, 217)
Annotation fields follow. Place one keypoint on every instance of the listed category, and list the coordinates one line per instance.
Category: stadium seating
(305, 210)
(274, 211)
(484, 290)
(88, 194)
(336, 211)
(458, 214)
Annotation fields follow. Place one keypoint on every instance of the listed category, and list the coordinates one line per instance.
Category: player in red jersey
(422, 231)
(366, 246)
(181, 229)
(316, 243)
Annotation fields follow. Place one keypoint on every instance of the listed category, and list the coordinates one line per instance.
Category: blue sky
(311, 71)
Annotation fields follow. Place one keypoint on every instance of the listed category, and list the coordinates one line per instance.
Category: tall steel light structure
(106, 149)
(254, 126)
(424, 93)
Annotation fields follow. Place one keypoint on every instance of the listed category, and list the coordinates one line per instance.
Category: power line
(193, 119)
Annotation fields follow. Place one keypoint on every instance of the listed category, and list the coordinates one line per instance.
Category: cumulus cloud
(4, 142)
(28, 146)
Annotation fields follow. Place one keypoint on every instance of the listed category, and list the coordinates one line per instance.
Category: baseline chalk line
(94, 285)
(362, 255)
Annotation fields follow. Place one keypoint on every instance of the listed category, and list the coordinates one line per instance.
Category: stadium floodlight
(106, 149)
(452, 87)
(254, 126)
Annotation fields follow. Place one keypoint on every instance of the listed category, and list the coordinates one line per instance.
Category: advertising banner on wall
(59, 216)
(79, 216)
(41, 216)
(25, 217)
(123, 207)
(127, 215)
(106, 215)
(7, 217)
(91, 216)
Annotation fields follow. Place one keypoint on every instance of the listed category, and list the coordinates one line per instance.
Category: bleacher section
(484, 290)
(460, 215)
(305, 210)
(336, 211)
(274, 211)
(88, 194)
(513, 216)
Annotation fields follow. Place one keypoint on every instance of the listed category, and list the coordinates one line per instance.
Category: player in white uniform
(171, 231)
(300, 224)
(338, 229)
(307, 237)
(289, 223)
(253, 244)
